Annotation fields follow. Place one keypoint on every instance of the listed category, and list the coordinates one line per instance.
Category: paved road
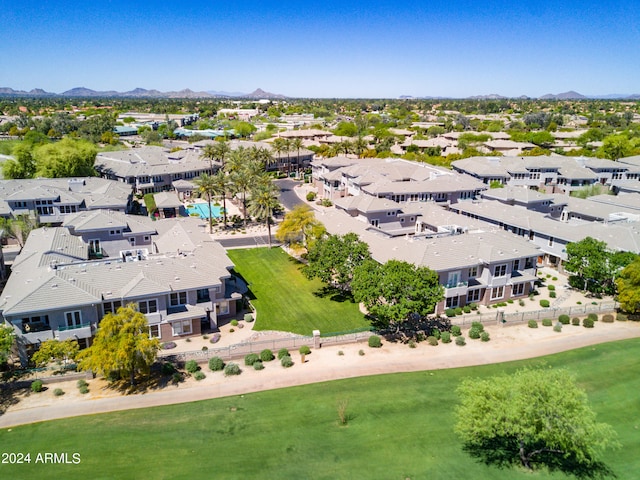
(288, 197)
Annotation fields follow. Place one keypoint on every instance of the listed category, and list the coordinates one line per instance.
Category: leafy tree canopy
(55, 350)
(534, 418)
(7, 337)
(629, 287)
(300, 228)
(66, 158)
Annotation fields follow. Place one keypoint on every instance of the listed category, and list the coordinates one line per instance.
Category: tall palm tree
(360, 145)
(261, 156)
(206, 184)
(209, 153)
(221, 150)
(279, 146)
(264, 199)
(238, 158)
(242, 180)
(221, 187)
(296, 144)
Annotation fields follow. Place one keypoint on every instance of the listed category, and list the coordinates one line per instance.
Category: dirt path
(507, 343)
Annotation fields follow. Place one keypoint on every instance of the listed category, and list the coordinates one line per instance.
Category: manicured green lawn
(284, 298)
(401, 427)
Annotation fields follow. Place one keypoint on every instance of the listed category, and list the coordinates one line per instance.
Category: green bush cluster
(547, 322)
(412, 343)
(258, 365)
(552, 294)
(575, 321)
(460, 341)
(191, 367)
(216, 364)
(266, 355)
(557, 327)
(474, 333)
(450, 312)
(551, 288)
(234, 323)
(311, 196)
(466, 309)
(232, 369)
(36, 386)
(361, 353)
(587, 323)
(286, 361)
(305, 350)
(455, 330)
(375, 342)
(484, 337)
(532, 324)
(593, 317)
(83, 386)
(564, 319)
(445, 337)
(199, 375)
(248, 317)
(458, 310)
(283, 352)
(473, 306)
(58, 392)
(250, 359)
(608, 318)
(433, 341)
(544, 303)
(436, 333)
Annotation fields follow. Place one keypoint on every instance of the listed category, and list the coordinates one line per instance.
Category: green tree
(18, 228)
(207, 185)
(55, 350)
(121, 345)
(66, 158)
(93, 127)
(334, 259)
(533, 418)
(22, 165)
(221, 186)
(346, 129)
(300, 228)
(7, 337)
(395, 291)
(628, 283)
(615, 147)
(264, 201)
(296, 144)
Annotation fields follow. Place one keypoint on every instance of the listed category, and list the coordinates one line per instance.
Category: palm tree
(221, 187)
(296, 144)
(264, 199)
(279, 146)
(261, 156)
(237, 159)
(242, 180)
(206, 184)
(360, 145)
(288, 148)
(221, 150)
(209, 153)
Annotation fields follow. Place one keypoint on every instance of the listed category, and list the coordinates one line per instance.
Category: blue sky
(324, 48)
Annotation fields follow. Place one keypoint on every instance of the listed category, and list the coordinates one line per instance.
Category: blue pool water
(202, 209)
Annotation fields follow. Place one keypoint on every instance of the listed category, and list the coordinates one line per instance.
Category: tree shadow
(334, 294)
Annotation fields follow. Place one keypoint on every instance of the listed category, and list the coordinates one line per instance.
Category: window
(497, 293)
(500, 270)
(374, 222)
(181, 328)
(115, 232)
(551, 241)
(473, 295)
(178, 298)
(452, 302)
(43, 319)
(74, 319)
(94, 246)
(222, 308)
(148, 306)
(111, 307)
(518, 289)
(516, 264)
(473, 272)
(68, 209)
(147, 239)
(203, 295)
(154, 331)
(132, 241)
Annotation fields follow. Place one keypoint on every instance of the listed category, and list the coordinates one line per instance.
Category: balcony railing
(74, 327)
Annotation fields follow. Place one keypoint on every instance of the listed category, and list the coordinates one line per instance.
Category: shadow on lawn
(334, 294)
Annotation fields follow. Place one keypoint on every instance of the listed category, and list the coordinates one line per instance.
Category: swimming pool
(202, 210)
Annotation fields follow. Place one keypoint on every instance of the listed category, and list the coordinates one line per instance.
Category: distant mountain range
(139, 93)
(261, 94)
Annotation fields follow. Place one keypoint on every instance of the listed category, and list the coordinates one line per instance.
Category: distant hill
(139, 93)
(571, 95)
(260, 94)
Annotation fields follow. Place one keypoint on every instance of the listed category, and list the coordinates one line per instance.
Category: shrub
(36, 386)
(234, 323)
(478, 326)
(199, 375)
(450, 312)
(474, 333)
(248, 317)
(82, 383)
(458, 310)
(473, 306)
(192, 366)
(544, 303)
(258, 365)
(250, 359)
(304, 350)
(587, 323)
(532, 324)
(445, 337)
(466, 309)
(188, 340)
(521, 302)
(283, 352)
(455, 330)
(557, 327)
(58, 392)
(433, 341)
(460, 341)
(205, 348)
(555, 279)
(575, 321)
(564, 319)
(622, 317)
(551, 288)
(84, 389)
(311, 196)
(215, 338)
(231, 330)
(436, 333)
(266, 355)
(361, 353)
(552, 294)
(412, 343)
(608, 318)
(286, 361)
(216, 364)
(176, 378)
(593, 317)
(547, 322)
(340, 353)
(484, 337)
(232, 369)
(374, 341)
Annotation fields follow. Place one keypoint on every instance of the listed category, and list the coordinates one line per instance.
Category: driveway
(288, 196)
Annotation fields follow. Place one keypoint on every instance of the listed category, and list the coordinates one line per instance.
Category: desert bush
(544, 303)
(564, 319)
(258, 365)
(176, 378)
(231, 330)
(484, 337)
(473, 306)
(304, 350)
(216, 364)
(458, 310)
(551, 288)
(521, 303)
(622, 317)
(587, 323)
(575, 321)
(478, 326)
(608, 318)
(82, 383)
(248, 317)
(593, 317)
(283, 352)
(192, 366)
(58, 392)
(250, 359)
(266, 355)
(234, 323)
(466, 309)
(474, 333)
(436, 333)
(445, 337)
(232, 369)
(547, 322)
(455, 330)
(460, 341)
(84, 389)
(374, 341)
(36, 386)
(361, 353)
(532, 324)
(433, 341)
(311, 196)
(557, 327)
(450, 312)
(412, 344)
(340, 353)
(199, 375)
(552, 294)
(286, 362)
